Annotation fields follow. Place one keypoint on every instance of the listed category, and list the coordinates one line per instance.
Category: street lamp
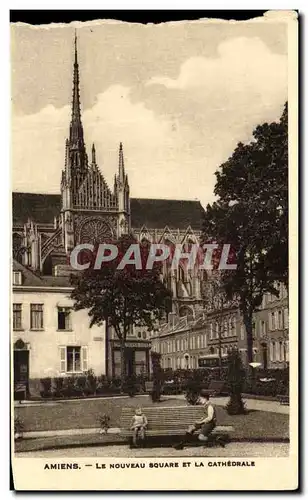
(186, 357)
(254, 365)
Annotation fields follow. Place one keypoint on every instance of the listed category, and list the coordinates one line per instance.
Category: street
(231, 450)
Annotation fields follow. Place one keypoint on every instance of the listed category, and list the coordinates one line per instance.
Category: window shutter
(84, 358)
(62, 359)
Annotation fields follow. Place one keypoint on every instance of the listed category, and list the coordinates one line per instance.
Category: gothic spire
(93, 155)
(121, 164)
(76, 129)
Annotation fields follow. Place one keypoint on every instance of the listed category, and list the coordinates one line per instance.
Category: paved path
(231, 450)
(257, 404)
(251, 404)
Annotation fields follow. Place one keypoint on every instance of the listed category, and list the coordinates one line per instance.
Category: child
(206, 425)
(138, 426)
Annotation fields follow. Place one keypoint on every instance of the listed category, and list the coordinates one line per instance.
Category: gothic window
(95, 231)
(17, 247)
(184, 284)
(186, 311)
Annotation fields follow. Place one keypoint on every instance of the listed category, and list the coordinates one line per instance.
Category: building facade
(47, 227)
(49, 338)
(271, 327)
(195, 342)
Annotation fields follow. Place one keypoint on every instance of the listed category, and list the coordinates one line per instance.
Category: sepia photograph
(153, 287)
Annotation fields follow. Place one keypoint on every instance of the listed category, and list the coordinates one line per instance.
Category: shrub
(58, 391)
(192, 394)
(69, 387)
(102, 385)
(130, 386)
(104, 421)
(46, 391)
(91, 383)
(80, 385)
(235, 405)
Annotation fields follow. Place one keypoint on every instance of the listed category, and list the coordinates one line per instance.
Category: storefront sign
(142, 345)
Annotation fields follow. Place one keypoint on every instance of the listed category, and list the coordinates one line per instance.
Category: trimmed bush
(91, 383)
(130, 386)
(192, 392)
(58, 387)
(46, 384)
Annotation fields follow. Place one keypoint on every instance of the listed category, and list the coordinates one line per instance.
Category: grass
(81, 414)
(254, 425)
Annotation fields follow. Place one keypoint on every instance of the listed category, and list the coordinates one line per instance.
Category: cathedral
(46, 227)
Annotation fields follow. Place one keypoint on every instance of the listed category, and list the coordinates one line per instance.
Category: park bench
(283, 399)
(169, 421)
(215, 388)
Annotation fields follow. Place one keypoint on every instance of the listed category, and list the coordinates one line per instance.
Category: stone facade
(194, 341)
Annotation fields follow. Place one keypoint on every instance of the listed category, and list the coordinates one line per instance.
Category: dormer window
(17, 278)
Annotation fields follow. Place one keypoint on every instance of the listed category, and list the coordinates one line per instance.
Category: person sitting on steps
(206, 425)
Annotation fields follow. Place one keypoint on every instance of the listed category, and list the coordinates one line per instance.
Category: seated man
(205, 425)
(138, 426)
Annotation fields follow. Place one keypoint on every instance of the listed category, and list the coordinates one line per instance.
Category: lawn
(83, 413)
(78, 414)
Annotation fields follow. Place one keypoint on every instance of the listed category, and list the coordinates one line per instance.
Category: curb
(69, 432)
(123, 442)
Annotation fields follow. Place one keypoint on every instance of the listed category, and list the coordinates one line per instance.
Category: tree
(235, 377)
(251, 214)
(157, 376)
(122, 297)
(216, 301)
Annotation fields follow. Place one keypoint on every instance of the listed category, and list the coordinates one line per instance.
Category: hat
(204, 393)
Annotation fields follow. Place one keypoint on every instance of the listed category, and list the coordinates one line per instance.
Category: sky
(179, 96)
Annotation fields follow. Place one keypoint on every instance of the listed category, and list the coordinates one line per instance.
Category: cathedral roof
(152, 213)
(156, 213)
(41, 208)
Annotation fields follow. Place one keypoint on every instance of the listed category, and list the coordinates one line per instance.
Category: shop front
(137, 358)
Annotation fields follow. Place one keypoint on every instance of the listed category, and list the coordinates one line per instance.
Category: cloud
(242, 64)
(176, 132)
(38, 142)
